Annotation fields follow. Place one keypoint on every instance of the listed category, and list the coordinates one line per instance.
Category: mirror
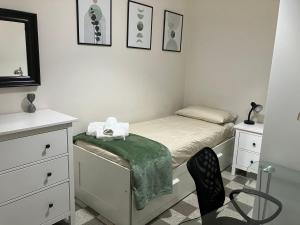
(19, 53)
(13, 60)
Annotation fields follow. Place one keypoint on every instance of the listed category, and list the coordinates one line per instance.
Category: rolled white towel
(109, 129)
(122, 130)
(94, 128)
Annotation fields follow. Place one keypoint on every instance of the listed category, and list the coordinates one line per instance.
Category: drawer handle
(251, 161)
(254, 145)
(49, 174)
(48, 146)
(51, 205)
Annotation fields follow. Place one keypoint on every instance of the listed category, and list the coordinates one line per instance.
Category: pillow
(211, 115)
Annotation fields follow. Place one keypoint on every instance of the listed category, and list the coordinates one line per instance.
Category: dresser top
(256, 128)
(20, 122)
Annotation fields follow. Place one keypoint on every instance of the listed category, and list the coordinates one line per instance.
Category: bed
(103, 180)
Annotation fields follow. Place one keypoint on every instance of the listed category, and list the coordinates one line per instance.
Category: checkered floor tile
(184, 210)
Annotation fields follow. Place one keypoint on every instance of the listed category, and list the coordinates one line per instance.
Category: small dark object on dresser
(31, 107)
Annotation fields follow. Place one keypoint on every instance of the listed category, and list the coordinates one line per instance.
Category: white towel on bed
(95, 127)
(109, 129)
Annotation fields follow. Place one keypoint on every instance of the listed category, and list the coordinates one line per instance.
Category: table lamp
(256, 108)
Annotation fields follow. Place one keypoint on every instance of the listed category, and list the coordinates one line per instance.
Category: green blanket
(150, 162)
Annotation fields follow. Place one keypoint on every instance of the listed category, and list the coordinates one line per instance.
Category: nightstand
(247, 147)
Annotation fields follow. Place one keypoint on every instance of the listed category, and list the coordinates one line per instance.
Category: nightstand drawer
(245, 158)
(250, 142)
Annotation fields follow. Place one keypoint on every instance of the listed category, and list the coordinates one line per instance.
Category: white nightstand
(247, 147)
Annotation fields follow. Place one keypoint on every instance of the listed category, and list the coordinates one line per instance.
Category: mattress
(183, 136)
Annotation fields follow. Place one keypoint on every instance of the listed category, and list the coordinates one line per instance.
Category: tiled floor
(182, 211)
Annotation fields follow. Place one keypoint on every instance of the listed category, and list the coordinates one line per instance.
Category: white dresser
(36, 168)
(247, 147)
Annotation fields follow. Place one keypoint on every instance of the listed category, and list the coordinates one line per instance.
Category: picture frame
(173, 31)
(139, 25)
(94, 22)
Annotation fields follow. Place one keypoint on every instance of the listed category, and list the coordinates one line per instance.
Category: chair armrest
(259, 194)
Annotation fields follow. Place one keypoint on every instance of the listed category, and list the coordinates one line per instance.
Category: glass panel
(13, 57)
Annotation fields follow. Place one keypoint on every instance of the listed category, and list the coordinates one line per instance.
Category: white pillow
(211, 115)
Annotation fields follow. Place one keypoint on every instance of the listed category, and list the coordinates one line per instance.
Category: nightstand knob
(254, 144)
(49, 174)
(251, 161)
(47, 146)
(51, 205)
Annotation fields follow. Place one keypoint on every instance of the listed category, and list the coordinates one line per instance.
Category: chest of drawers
(247, 147)
(36, 175)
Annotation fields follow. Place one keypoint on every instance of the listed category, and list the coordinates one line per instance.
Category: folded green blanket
(150, 162)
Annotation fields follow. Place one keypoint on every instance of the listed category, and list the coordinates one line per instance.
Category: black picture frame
(164, 31)
(32, 49)
(128, 11)
(78, 33)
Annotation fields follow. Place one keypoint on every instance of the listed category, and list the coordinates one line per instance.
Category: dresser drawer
(20, 151)
(250, 142)
(20, 182)
(36, 209)
(245, 158)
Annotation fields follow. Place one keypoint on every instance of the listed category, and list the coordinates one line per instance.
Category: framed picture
(94, 22)
(173, 26)
(139, 25)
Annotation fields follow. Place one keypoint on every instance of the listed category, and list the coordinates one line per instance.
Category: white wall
(92, 83)
(230, 48)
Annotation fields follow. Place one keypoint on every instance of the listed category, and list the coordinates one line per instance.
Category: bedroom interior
(199, 85)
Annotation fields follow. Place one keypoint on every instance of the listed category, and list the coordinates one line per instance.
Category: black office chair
(205, 169)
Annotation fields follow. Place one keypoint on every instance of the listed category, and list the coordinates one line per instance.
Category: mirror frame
(32, 49)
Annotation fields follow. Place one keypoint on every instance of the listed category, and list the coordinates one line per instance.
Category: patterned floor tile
(94, 222)
(245, 208)
(246, 199)
(240, 179)
(230, 213)
(158, 222)
(192, 200)
(83, 216)
(172, 217)
(227, 175)
(103, 220)
(184, 208)
(234, 185)
(194, 214)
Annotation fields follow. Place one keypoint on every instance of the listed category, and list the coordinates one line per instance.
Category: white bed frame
(106, 186)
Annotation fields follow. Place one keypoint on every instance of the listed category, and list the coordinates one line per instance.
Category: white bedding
(181, 135)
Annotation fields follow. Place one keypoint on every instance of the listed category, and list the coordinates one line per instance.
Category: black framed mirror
(19, 49)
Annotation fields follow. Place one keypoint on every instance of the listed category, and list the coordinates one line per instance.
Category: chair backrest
(205, 169)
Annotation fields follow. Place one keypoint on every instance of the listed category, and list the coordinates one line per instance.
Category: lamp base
(249, 122)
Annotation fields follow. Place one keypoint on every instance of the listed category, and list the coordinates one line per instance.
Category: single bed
(103, 180)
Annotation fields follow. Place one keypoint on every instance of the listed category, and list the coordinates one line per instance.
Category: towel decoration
(110, 129)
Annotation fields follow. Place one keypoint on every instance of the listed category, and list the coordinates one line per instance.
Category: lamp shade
(256, 107)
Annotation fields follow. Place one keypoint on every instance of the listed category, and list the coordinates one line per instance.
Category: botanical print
(172, 31)
(139, 25)
(94, 21)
